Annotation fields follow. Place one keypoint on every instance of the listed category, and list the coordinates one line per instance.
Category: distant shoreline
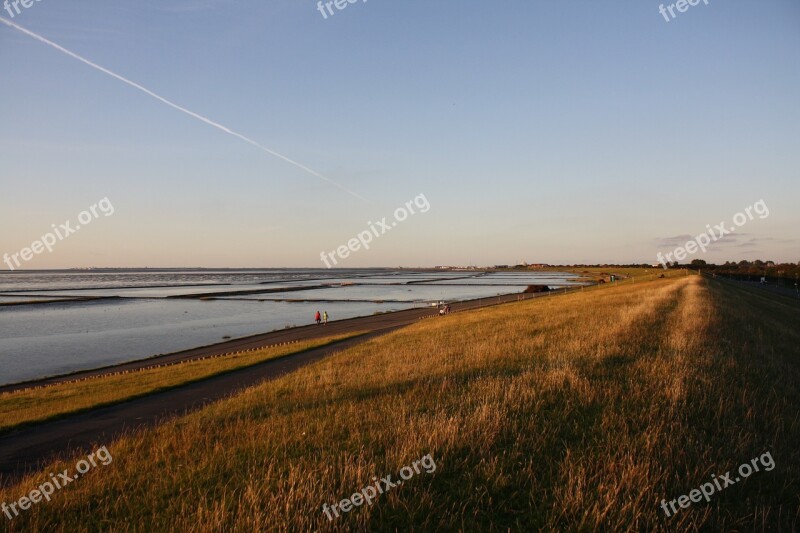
(306, 332)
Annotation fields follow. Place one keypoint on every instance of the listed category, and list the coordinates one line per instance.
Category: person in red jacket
(317, 318)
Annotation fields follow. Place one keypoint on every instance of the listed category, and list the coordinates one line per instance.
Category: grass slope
(571, 413)
(53, 401)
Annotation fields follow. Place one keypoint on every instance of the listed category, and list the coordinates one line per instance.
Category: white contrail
(176, 106)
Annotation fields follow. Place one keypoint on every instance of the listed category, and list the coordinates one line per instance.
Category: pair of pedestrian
(320, 318)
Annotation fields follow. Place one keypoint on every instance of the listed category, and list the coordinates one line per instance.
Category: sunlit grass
(28, 406)
(578, 412)
(624, 274)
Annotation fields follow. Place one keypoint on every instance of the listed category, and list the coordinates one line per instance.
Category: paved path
(24, 449)
(312, 331)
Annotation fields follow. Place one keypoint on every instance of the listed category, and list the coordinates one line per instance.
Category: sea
(57, 322)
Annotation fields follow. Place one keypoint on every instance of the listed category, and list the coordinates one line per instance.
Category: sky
(570, 131)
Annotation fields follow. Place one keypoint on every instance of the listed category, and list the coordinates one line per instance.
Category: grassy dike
(576, 412)
(53, 401)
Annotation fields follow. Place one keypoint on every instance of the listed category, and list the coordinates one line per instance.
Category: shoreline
(25, 448)
(311, 331)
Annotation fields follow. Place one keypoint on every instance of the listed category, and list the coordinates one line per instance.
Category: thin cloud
(677, 240)
(727, 240)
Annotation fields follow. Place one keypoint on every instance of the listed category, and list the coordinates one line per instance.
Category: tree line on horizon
(743, 269)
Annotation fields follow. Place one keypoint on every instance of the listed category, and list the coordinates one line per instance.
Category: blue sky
(559, 132)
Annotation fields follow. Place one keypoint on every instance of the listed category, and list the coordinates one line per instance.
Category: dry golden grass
(30, 406)
(578, 412)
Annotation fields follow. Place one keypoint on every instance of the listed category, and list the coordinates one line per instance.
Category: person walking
(317, 318)
(325, 317)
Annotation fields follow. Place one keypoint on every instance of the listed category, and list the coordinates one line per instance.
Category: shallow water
(55, 338)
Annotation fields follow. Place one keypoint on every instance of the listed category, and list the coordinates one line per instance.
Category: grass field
(28, 406)
(625, 273)
(579, 412)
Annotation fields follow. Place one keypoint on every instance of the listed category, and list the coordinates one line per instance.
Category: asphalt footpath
(29, 447)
